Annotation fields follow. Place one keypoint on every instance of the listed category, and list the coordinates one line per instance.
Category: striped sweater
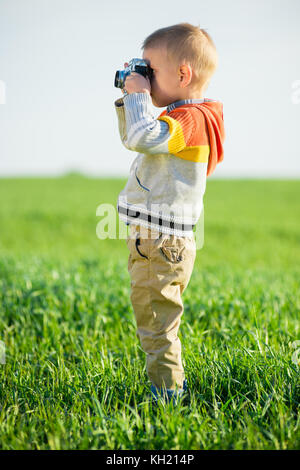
(176, 152)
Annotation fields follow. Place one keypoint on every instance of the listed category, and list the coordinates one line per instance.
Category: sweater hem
(168, 218)
(155, 223)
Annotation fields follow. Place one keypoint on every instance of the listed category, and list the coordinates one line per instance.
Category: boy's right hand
(137, 83)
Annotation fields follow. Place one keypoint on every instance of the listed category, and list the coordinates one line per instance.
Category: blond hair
(187, 44)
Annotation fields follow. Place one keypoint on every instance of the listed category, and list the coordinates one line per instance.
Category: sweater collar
(174, 105)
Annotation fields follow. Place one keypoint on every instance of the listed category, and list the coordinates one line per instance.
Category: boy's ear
(186, 74)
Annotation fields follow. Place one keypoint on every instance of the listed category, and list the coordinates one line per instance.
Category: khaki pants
(160, 267)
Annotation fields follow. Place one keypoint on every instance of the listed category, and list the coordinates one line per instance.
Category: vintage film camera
(135, 65)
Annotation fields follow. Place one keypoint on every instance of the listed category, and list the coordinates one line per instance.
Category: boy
(163, 197)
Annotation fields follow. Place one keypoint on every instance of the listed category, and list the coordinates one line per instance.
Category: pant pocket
(174, 254)
(137, 245)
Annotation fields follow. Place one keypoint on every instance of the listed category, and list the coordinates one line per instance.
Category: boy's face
(165, 79)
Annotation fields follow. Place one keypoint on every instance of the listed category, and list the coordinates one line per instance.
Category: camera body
(134, 65)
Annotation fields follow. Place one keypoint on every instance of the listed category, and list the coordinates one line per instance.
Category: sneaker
(167, 394)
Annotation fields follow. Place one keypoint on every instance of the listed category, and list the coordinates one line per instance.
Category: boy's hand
(136, 83)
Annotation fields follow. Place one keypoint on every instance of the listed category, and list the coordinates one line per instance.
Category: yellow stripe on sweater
(177, 145)
(198, 153)
(176, 141)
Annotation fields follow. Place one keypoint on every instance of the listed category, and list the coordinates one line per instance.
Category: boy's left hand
(136, 83)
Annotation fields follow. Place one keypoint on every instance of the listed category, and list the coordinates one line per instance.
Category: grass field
(74, 374)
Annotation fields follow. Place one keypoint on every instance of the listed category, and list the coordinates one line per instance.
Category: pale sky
(58, 60)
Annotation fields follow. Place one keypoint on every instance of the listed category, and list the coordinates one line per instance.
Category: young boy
(163, 197)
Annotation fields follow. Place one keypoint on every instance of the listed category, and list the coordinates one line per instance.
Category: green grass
(75, 377)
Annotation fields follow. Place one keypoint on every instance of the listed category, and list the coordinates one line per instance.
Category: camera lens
(118, 79)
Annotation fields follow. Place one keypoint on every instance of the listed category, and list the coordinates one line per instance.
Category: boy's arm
(120, 109)
(141, 132)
